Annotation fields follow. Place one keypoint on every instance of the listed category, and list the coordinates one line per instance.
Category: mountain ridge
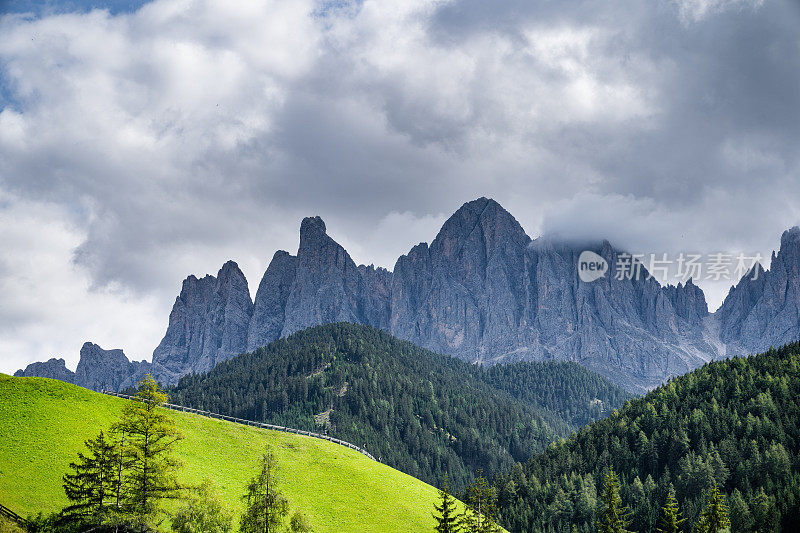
(483, 290)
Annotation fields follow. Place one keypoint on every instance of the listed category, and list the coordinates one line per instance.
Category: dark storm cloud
(731, 76)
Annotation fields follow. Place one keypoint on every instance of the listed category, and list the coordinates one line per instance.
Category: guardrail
(8, 513)
(245, 422)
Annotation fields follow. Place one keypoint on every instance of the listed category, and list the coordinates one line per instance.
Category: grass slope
(43, 424)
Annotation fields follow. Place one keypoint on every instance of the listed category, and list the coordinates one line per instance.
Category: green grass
(7, 526)
(43, 424)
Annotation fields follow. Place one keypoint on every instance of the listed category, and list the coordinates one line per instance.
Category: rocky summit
(483, 291)
(52, 368)
(98, 369)
(209, 323)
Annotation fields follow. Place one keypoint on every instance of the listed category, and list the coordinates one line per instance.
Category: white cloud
(394, 235)
(643, 226)
(47, 307)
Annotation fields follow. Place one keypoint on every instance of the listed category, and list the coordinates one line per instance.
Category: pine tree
(446, 520)
(265, 506)
(150, 469)
(671, 518)
(91, 489)
(613, 518)
(715, 516)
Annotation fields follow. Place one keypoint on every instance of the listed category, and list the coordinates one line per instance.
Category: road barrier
(242, 421)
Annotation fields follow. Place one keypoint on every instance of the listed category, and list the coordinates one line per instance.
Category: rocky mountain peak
(483, 222)
(791, 235)
(687, 300)
(52, 368)
(100, 369)
(230, 269)
(193, 285)
(763, 309)
(482, 291)
(312, 231)
(93, 353)
(231, 284)
(788, 258)
(209, 323)
(269, 308)
(328, 286)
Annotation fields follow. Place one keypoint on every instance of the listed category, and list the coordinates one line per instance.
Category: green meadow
(43, 424)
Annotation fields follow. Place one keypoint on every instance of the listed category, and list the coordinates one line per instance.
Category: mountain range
(483, 291)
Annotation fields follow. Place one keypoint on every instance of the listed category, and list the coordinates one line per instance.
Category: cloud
(696, 10)
(48, 307)
(394, 235)
(643, 226)
(173, 137)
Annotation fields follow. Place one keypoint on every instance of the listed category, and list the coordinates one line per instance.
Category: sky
(143, 142)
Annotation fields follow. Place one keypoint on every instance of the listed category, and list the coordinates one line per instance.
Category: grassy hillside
(419, 411)
(43, 424)
(735, 423)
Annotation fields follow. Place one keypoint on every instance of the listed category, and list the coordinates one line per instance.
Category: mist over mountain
(483, 291)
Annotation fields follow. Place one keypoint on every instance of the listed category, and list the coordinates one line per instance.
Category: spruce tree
(612, 516)
(91, 488)
(715, 516)
(671, 514)
(265, 506)
(446, 520)
(150, 469)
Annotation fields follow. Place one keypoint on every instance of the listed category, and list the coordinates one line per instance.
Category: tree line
(124, 480)
(611, 516)
(732, 424)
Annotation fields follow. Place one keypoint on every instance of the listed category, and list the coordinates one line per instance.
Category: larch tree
(150, 473)
(265, 506)
(481, 513)
(715, 515)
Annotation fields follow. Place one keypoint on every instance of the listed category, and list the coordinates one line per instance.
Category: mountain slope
(733, 422)
(577, 395)
(765, 311)
(421, 412)
(43, 424)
